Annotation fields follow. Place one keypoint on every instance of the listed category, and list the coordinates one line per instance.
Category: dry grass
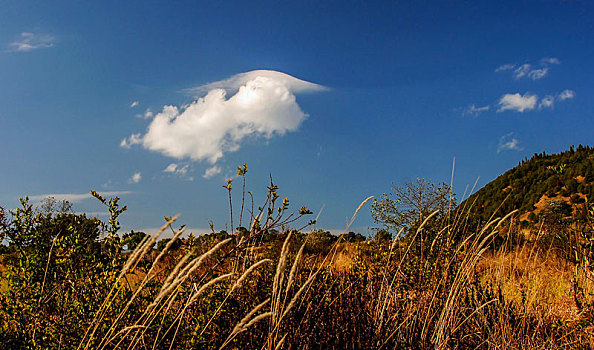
(426, 291)
(538, 281)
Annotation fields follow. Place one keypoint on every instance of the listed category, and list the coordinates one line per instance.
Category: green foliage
(113, 206)
(319, 242)
(132, 239)
(55, 269)
(353, 237)
(556, 215)
(382, 236)
(174, 246)
(523, 186)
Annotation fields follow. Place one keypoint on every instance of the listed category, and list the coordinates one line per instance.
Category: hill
(566, 176)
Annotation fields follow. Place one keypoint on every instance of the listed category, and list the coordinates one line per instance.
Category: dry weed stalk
(169, 291)
(247, 272)
(136, 256)
(149, 276)
(471, 256)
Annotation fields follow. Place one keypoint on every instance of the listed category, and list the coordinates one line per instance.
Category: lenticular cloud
(253, 104)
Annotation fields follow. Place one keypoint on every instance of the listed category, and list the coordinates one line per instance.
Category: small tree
(409, 205)
(556, 215)
(383, 236)
(50, 205)
(3, 224)
(353, 237)
(132, 239)
(174, 246)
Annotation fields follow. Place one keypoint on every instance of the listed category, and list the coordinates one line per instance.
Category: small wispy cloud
(508, 142)
(527, 102)
(146, 115)
(177, 169)
(31, 41)
(76, 197)
(257, 104)
(505, 67)
(522, 71)
(566, 95)
(135, 178)
(517, 102)
(211, 172)
(549, 100)
(534, 71)
(134, 104)
(550, 60)
(536, 74)
(133, 139)
(474, 110)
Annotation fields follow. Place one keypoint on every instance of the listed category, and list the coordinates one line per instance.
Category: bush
(319, 242)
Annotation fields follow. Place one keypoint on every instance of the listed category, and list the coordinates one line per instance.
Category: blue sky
(148, 100)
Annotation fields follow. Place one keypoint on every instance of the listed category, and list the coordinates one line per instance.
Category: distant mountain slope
(568, 175)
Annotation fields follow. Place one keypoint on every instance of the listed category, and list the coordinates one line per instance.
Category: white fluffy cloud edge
(256, 104)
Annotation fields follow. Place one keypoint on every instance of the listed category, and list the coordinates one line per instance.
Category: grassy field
(450, 283)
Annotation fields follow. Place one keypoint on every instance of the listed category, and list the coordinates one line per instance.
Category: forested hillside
(566, 177)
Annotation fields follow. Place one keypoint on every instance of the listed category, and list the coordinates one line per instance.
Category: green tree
(556, 215)
(55, 269)
(353, 237)
(319, 241)
(382, 236)
(132, 239)
(174, 246)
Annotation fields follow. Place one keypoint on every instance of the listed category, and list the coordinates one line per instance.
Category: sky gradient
(159, 102)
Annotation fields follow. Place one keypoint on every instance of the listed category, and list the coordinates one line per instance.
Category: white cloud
(136, 177)
(508, 143)
(547, 102)
(76, 197)
(177, 169)
(253, 104)
(212, 171)
(536, 74)
(31, 41)
(134, 104)
(566, 94)
(133, 139)
(550, 60)
(474, 110)
(522, 70)
(517, 102)
(505, 67)
(147, 114)
(529, 70)
(170, 168)
(232, 85)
